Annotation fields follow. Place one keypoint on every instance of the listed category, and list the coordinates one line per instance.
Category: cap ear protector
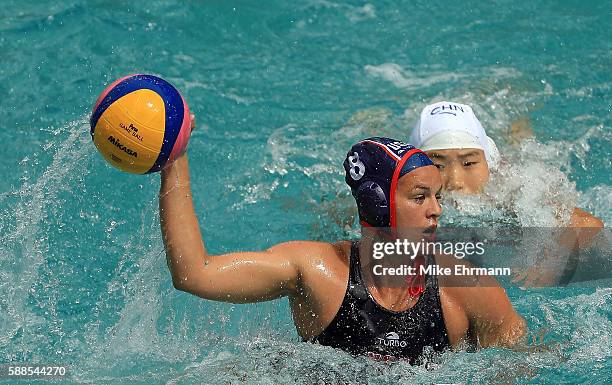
(372, 203)
(373, 167)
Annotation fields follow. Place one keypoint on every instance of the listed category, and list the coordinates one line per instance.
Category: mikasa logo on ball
(122, 147)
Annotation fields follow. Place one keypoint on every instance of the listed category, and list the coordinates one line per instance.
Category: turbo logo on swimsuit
(391, 339)
(122, 147)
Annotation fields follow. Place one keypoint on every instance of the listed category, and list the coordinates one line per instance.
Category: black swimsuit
(363, 327)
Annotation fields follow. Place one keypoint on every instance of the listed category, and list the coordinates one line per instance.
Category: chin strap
(417, 281)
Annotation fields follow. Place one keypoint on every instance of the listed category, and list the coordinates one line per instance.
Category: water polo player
(453, 137)
(335, 300)
(451, 134)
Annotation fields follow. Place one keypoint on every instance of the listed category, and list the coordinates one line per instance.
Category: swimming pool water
(280, 91)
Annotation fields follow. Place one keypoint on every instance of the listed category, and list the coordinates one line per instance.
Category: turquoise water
(280, 92)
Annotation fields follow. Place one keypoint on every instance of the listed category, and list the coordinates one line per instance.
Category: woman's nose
(435, 210)
(454, 179)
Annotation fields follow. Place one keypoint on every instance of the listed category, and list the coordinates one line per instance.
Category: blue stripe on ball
(172, 101)
(174, 120)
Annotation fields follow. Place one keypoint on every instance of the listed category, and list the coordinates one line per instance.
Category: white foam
(356, 14)
(598, 200)
(34, 200)
(403, 78)
(517, 193)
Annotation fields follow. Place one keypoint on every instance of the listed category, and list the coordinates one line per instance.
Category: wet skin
(314, 275)
(462, 170)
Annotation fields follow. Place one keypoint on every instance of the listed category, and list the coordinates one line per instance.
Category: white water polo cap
(449, 125)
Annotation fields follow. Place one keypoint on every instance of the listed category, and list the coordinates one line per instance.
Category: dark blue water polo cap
(373, 166)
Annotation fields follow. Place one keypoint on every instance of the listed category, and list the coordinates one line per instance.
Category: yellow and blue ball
(140, 123)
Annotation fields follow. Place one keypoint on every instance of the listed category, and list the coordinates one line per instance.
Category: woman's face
(462, 170)
(417, 200)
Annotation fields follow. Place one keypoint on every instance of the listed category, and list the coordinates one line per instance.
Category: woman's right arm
(236, 277)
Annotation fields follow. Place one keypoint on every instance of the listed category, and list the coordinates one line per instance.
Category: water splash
(25, 244)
